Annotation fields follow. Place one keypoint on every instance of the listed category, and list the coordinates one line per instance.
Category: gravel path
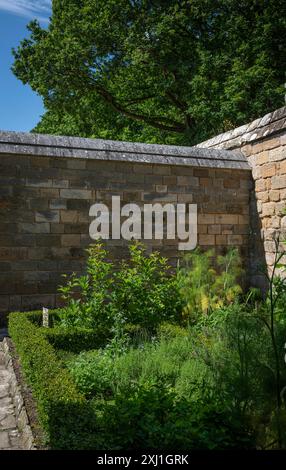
(9, 435)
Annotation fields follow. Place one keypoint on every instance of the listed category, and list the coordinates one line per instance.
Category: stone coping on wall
(20, 143)
(261, 128)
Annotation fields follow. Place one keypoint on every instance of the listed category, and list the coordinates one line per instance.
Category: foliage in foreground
(165, 71)
(217, 381)
(142, 416)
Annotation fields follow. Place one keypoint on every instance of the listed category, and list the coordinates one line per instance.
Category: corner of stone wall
(263, 142)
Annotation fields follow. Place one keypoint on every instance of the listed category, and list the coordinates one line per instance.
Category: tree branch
(160, 122)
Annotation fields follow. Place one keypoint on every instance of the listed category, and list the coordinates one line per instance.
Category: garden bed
(93, 400)
(143, 359)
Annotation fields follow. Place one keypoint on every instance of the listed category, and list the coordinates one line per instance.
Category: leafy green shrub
(63, 411)
(93, 373)
(142, 292)
(238, 352)
(170, 330)
(88, 296)
(152, 415)
(145, 291)
(157, 395)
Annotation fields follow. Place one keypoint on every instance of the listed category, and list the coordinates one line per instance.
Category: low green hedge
(74, 340)
(63, 411)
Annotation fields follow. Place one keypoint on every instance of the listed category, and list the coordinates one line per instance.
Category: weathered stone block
(267, 144)
(5, 266)
(201, 172)
(188, 180)
(205, 182)
(48, 240)
(75, 194)
(71, 240)
(170, 180)
(226, 219)
(39, 183)
(157, 197)
(57, 228)
(150, 179)
(261, 158)
(227, 229)
(78, 204)
(185, 198)
(48, 216)
(76, 164)
(275, 222)
(263, 196)
(206, 240)
(182, 171)
(282, 167)
(77, 228)
(36, 276)
(15, 302)
(280, 208)
(214, 229)
(231, 183)
(69, 217)
(206, 219)
(161, 170)
(39, 204)
(50, 193)
(221, 240)
(274, 195)
(60, 184)
(234, 240)
(39, 227)
(13, 253)
(40, 162)
(278, 182)
(241, 230)
(277, 154)
(4, 303)
(260, 185)
(58, 204)
(203, 229)
(161, 188)
(268, 170)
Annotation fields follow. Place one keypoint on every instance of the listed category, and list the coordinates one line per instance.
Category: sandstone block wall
(48, 185)
(263, 142)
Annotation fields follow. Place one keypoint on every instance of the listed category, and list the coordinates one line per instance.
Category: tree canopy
(166, 71)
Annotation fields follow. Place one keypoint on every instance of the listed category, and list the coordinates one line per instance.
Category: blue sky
(20, 107)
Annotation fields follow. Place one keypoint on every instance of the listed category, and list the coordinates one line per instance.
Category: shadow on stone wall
(257, 258)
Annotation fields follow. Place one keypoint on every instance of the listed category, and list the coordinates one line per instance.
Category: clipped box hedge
(74, 340)
(64, 413)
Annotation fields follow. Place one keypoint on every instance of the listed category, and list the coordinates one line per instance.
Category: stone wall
(263, 142)
(49, 183)
(24, 439)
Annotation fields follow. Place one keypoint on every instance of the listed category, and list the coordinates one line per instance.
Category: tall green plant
(208, 283)
(86, 297)
(270, 314)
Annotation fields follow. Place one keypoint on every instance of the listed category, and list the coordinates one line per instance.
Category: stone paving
(9, 434)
